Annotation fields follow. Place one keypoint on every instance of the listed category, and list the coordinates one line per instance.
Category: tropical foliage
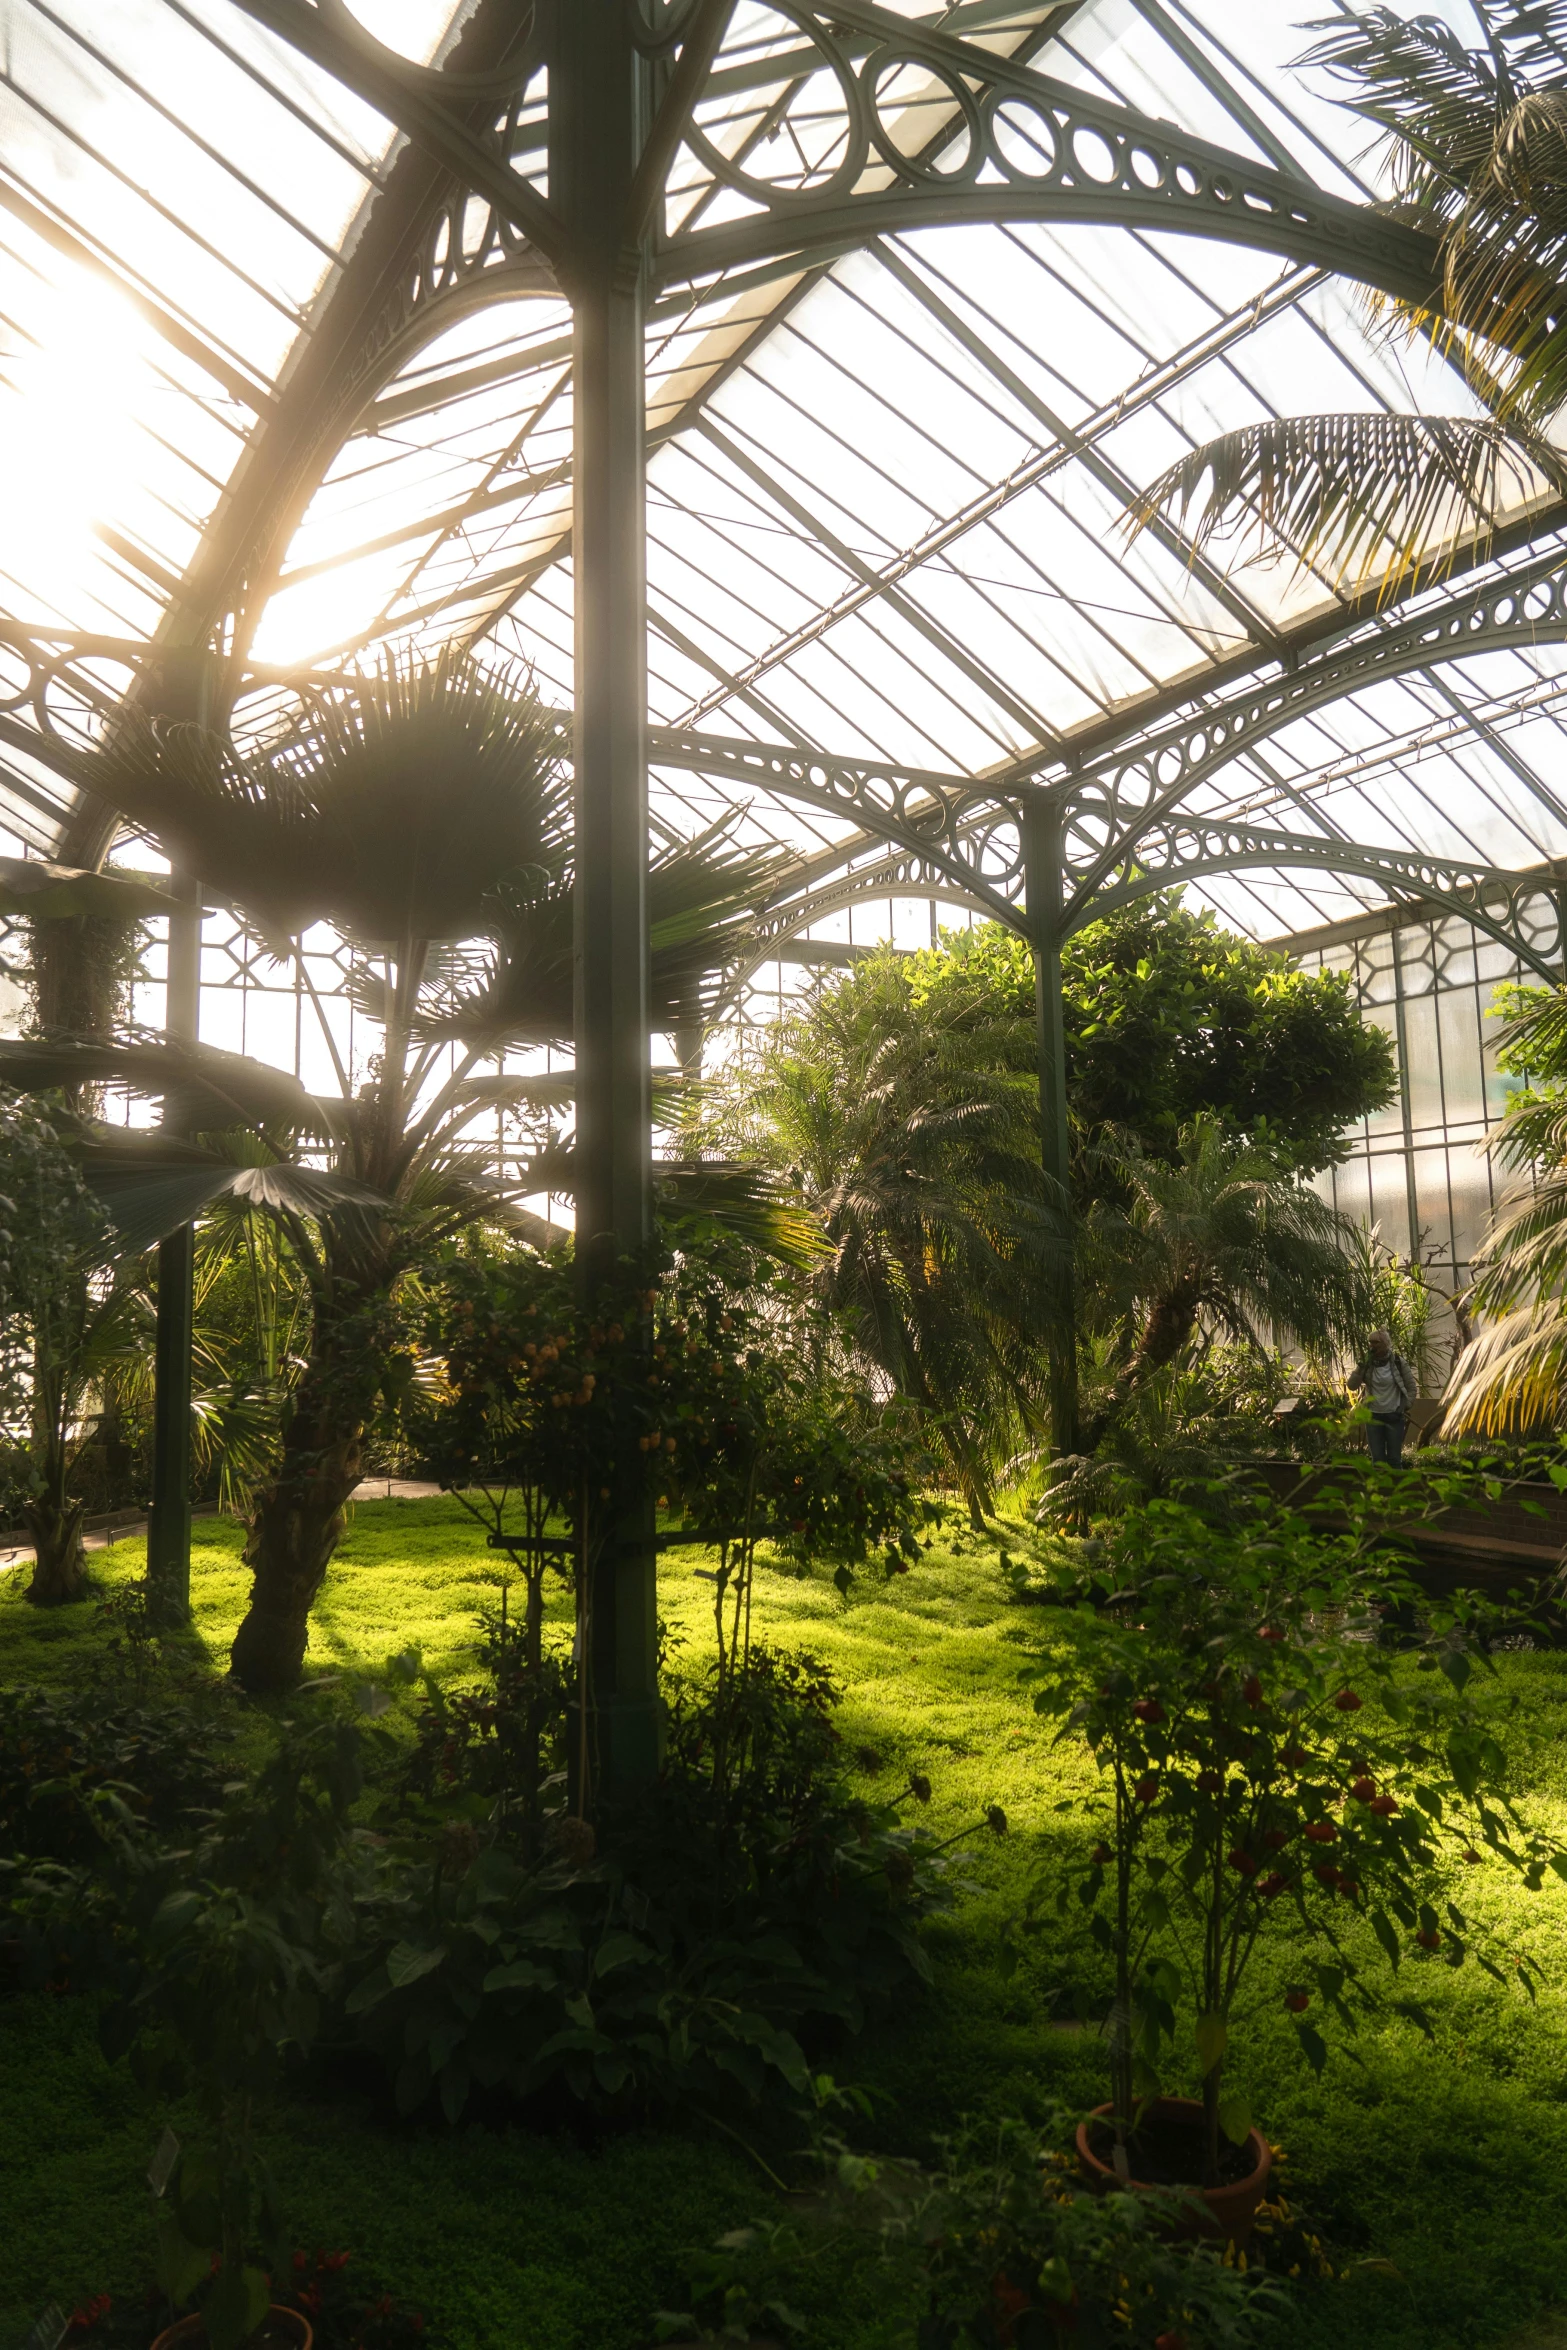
(1512, 1376)
(425, 813)
(1477, 141)
(1204, 1077)
(1223, 1240)
(70, 1318)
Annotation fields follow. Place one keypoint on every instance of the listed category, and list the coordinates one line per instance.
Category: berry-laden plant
(997, 2246)
(1269, 1767)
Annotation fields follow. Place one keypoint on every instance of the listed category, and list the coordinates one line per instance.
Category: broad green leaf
(179, 2264)
(1235, 2119)
(1212, 2036)
(1312, 2046)
(235, 2307)
(407, 1962)
(1387, 1934)
(618, 1950)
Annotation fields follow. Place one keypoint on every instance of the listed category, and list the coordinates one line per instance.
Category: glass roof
(886, 492)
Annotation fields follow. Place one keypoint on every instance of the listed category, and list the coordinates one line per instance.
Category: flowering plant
(1265, 1759)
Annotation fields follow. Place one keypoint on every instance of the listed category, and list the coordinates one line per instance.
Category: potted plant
(1267, 1766)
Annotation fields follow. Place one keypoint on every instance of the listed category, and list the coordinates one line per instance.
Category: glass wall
(1419, 1172)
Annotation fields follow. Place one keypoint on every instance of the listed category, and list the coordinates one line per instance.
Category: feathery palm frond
(1478, 141)
(1370, 497)
(1512, 1376)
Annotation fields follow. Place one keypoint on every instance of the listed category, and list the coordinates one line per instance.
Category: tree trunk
(298, 1522)
(60, 1566)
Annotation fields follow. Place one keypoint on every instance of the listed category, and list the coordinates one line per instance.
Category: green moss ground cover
(1439, 2171)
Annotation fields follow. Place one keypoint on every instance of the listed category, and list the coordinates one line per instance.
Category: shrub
(71, 1765)
(686, 1951)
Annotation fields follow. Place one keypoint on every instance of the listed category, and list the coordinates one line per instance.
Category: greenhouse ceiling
(934, 292)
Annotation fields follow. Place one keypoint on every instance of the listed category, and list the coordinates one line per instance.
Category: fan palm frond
(390, 812)
(45, 892)
(215, 1088)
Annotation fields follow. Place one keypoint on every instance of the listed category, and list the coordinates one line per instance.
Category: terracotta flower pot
(280, 2329)
(1232, 2208)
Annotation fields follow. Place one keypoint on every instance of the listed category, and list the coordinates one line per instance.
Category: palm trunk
(1165, 1332)
(60, 1562)
(298, 1521)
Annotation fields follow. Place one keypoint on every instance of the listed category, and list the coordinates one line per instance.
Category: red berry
(1146, 1790)
(1148, 1709)
(1363, 1789)
(1347, 1702)
(1473, 1859)
(1297, 2001)
(1325, 1873)
(1292, 1757)
(1210, 1782)
(1169, 2340)
(1242, 1860)
(1384, 1806)
(1251, 1690)
(1100, 1854)
(1270, 1632)
(1272, 1885)
(1321, 1832)
(1428, 1938)
(1276, 1839)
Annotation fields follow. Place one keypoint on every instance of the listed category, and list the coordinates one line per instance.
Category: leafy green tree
(70, 1317)
(426, 814)
(1170, 1017)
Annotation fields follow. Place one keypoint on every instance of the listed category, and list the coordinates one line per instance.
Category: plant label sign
(49, 2330)
(161, 2168)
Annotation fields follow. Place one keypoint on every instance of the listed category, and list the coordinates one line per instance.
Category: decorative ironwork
(960, 828)
(1138, 785)
(883, 125)
(1488, 896)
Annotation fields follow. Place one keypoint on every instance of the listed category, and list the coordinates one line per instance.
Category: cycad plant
(920, 1158)
(425, 813)
(1225, 1239)
(1477, 139)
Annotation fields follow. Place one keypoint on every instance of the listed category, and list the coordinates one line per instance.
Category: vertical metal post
(168, 1531)
(1043, 870)
(1406, 1107)
(600, 108)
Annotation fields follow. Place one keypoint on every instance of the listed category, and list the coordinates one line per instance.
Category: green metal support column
(1043, 879)
(600, 108)
(168, 1531)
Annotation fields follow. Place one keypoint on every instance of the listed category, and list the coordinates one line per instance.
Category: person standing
(1390, 1387)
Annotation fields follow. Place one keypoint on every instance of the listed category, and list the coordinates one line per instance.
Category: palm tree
(426, 814)
(1224, 1238)
(1478, 142)
(1512, 1375)
(920, 1158)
